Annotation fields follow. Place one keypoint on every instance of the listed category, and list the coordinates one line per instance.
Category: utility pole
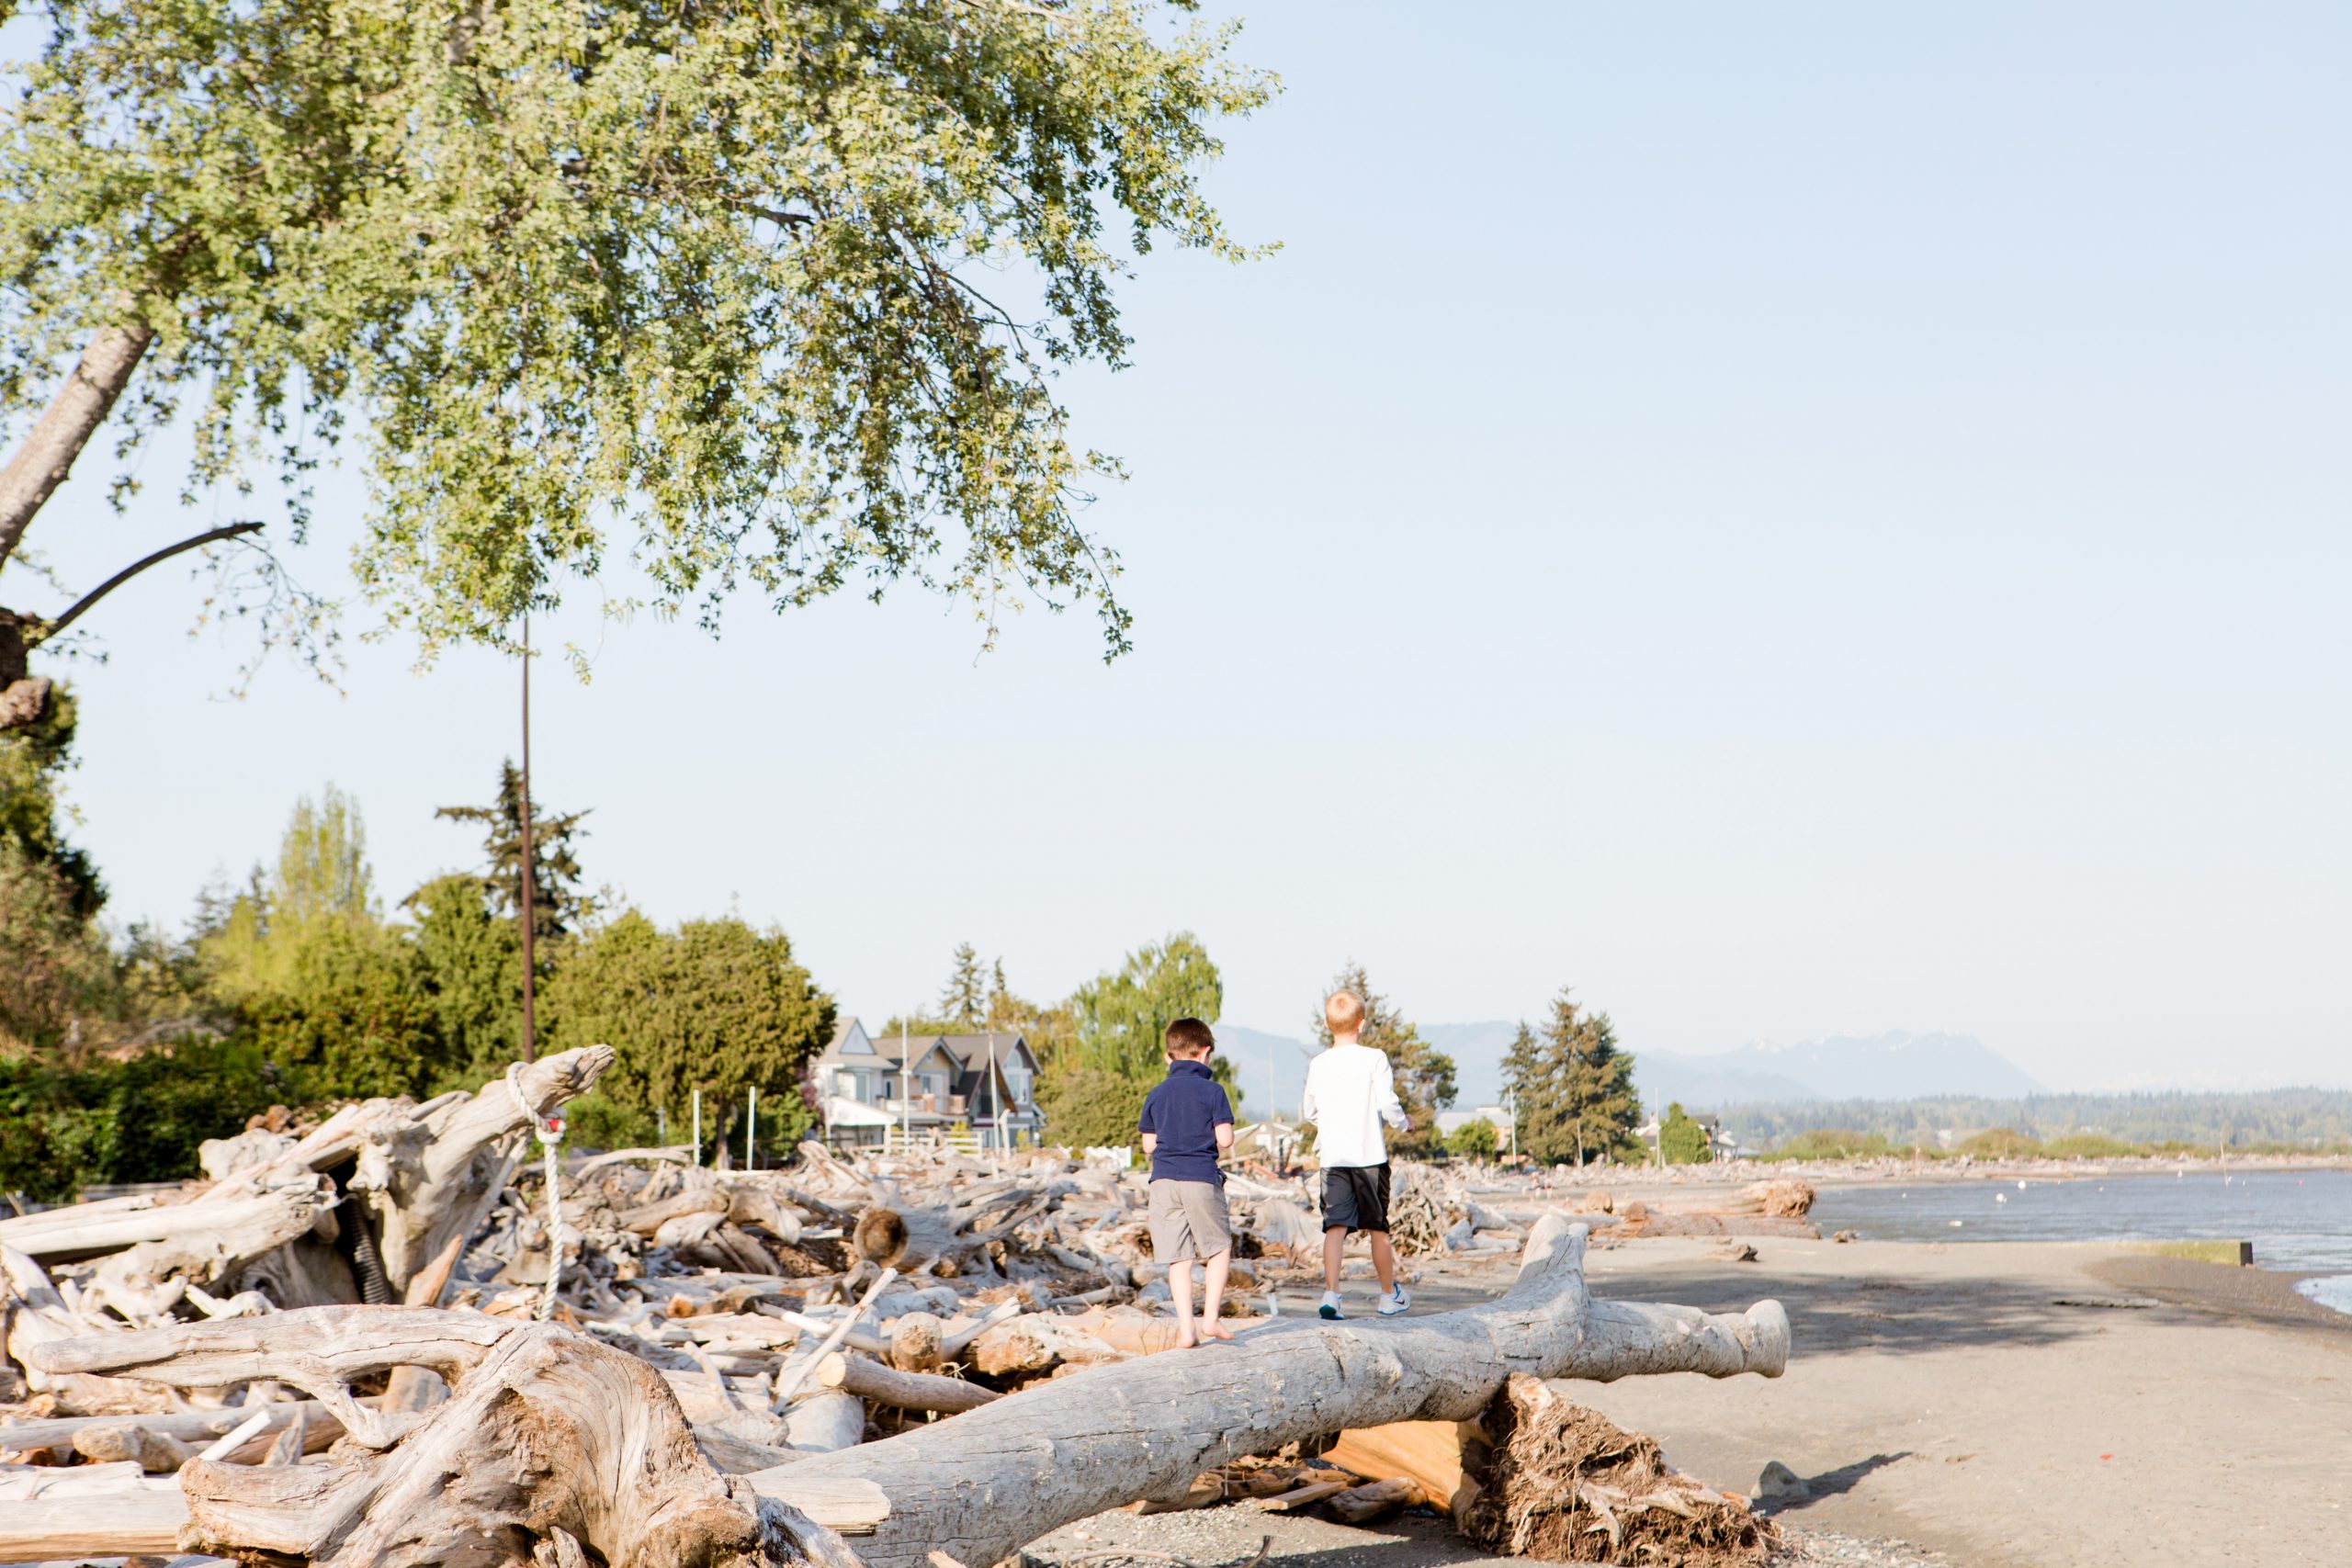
(530, 1034)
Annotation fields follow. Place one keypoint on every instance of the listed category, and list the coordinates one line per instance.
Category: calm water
(2299, 1221)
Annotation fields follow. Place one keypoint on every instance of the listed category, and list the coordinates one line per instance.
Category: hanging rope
(549, 1130)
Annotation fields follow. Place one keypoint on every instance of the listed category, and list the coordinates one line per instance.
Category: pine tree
(1424, 1074)
(557, 906)
(1531, 1098)
(1593, 1108)
(964, 1000)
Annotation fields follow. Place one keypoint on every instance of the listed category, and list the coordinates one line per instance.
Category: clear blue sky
(1796, 519)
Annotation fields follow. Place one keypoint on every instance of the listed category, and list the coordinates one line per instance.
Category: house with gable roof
(926, 1083)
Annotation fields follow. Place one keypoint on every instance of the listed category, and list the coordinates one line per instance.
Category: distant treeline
(2302, 1118)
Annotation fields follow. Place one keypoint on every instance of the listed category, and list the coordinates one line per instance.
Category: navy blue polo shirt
(1184, 1112)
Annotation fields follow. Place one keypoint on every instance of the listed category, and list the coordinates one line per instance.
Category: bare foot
(1214, 1328)
(1185, 1340)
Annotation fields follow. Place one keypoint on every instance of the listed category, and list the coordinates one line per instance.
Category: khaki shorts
(1188, 1221)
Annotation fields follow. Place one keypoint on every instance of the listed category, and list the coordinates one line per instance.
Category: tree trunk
(46, 454)
(986, 1482)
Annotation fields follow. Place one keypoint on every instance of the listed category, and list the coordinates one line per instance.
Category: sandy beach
(2036, 1405)
(1988, 1405)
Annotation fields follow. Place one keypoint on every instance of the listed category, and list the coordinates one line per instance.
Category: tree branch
(231, 531)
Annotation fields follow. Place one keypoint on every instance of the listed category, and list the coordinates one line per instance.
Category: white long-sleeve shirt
(1350, 1090)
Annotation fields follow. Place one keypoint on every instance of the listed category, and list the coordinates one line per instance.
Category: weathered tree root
(550, 1444)
(1564, 1483)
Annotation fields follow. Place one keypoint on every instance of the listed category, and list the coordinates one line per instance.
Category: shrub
(1475, 1139)
(2000, 1143)
(1833, 1143)
(1681, 1140)
(139, 1119)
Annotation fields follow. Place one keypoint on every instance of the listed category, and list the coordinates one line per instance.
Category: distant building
(1452, 1122)
(984, 1084)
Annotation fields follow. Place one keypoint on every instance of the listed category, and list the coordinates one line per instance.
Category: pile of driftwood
(384, 1341)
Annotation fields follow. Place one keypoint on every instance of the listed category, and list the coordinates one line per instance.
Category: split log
(902, 1390)
(989, 1481)
(192, 1428)
(1428, 1453)
(88, 1511)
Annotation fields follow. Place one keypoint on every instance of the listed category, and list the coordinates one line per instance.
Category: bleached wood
(987, 1482)
(902, 1390)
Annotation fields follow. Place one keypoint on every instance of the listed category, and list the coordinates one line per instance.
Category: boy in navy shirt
(1187, 1122)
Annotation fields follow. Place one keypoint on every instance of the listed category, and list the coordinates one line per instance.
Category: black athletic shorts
(1355, 1197)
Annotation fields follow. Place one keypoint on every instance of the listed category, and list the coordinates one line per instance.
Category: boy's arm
(1384, 1095)
(1150, 1142)
(1221, 1122)
(1148, 1123)
(1306, 1097)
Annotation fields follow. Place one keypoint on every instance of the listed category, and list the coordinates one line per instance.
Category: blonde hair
(1344, 1012)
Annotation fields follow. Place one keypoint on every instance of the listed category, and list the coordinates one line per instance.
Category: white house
(926, 1082)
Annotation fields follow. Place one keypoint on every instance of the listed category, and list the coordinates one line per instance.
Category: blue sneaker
(1330, 1307)
(1395, 1301)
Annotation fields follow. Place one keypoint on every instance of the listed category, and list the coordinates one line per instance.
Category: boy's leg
(1334, 1239)
(1384, 1261)
(1180, 1296)
(1212, 1296)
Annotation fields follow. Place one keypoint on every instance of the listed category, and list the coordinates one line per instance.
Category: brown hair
(1344, 1012)
(1191, 1039)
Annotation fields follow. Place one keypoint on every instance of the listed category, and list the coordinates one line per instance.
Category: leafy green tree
(469, 958)
(1090, 1107)
(1593, 1108)
(1475, 1139)
(33, 757)
(715, 284)
(311, 921)
(964, 1000)
(1095, 1076)
(56, 976)
(1424, 1074)
(557, 906)
(1682, 1141)
(714, 1005)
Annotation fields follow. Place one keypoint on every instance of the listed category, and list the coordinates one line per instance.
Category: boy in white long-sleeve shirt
(1350, 1091)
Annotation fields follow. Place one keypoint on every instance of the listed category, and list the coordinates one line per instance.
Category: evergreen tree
(1681, 1140)
(470, 958)
(1424, 1074)
(1593, 1108)
(1531, 1096)
(964, 1001)
(557, 906)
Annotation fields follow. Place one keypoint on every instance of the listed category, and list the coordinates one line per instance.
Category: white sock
(1330, 1298)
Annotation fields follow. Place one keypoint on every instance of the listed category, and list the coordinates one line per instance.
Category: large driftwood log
(984, 1483)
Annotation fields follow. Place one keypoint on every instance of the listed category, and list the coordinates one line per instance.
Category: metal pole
(750, 1131)
(661, 1126)
(697, 1127)
(996, 1106)
(905, 1091)
(530, 1033)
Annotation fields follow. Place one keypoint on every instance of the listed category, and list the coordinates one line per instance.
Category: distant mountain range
(1895, 1066)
